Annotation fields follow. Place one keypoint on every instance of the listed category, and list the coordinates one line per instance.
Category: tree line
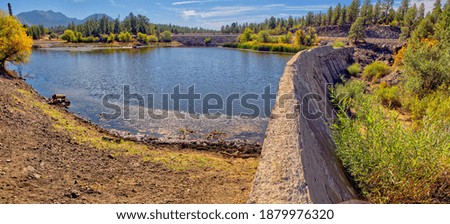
(381, 12)
(105, 25)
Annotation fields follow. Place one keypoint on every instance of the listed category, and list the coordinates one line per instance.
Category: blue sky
(194, 13)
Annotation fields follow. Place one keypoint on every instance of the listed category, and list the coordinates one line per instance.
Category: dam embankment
(298, 162)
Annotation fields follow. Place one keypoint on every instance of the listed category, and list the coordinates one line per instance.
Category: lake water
(229, 83)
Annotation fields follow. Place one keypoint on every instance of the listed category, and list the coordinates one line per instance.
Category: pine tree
(402, 10)
(356, 33)
(290, 22)
(330, 16)
(10, 9)
(436, 11)
(409, 22)
(272, 23)
(443, 27)
(342, 16)
(424, 30)
(353, 11)
(336, 14)
(376, 16)
(366, 11)
(391, 16)
(387, 7)
(421, 12)
(369, 17)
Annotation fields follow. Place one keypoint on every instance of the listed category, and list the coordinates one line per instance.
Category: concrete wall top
(298, 162)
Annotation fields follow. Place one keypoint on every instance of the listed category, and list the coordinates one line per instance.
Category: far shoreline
(59, 45)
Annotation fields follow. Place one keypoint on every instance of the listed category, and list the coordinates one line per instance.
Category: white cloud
(307, 7)
(115, 4)
(218, 11)
(223, 11)
(191, 2)
(429, 4)
(215, 17)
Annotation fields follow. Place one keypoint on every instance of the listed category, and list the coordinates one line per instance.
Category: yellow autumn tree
(15, 45)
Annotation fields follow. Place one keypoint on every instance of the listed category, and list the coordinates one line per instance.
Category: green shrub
(389, 96)
(263, 37)
(78, 36)
(282, 39)
(166, 36)
(427, 62)
(285, 39)
(89, 39)
(273, 39)
(338, 44)
(354, 69)
(125, 37)
(142, 38)
(104, 38)
(111, 38)
(153, 39)
(376, 70)
(436, 104)
(246, 36)
(272, 47)
(345, 95)
(53, 36)
(253, 45)
(69, 36)
(394, 23)
(390, 162)
(207, 40)
(305, 38)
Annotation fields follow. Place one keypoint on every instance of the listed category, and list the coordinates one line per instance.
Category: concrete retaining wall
(298, 164)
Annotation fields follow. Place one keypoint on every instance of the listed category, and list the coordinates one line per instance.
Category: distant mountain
(50, 18)
(46, 18)
(96, 16)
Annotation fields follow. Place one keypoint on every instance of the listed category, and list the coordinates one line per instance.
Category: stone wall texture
(372, 31)
(298, 162)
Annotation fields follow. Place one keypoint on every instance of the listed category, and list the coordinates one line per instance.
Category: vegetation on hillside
(357, 16)
(379, 12)
(395, 139)
(287, 43)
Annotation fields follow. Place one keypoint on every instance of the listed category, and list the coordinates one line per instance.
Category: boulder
(59, 100)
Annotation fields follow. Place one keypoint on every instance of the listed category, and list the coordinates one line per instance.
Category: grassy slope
(394, 157)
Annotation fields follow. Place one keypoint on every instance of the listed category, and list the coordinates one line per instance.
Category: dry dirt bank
(48, 155)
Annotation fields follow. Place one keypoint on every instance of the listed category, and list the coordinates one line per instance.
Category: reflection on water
(87, 76)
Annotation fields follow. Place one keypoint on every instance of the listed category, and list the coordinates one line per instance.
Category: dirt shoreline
(48, 155)
(227, 148)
